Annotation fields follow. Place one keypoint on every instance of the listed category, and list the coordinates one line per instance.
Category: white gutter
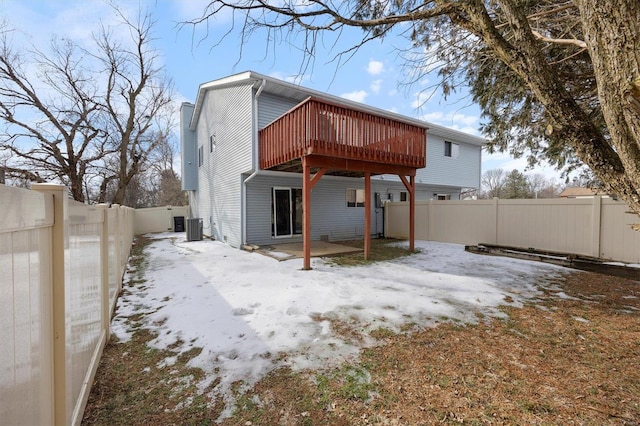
(256, 165)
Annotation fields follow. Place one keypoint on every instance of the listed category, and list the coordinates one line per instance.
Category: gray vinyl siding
(330, 215)
(227, 114)
(270, 107)
(189, 149)
(463, 171)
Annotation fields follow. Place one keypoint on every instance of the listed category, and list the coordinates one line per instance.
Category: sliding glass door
(286, 217)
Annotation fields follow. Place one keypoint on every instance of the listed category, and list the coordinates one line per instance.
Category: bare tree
(137, 94)
(536, 183)
(493, 182)
(49, 125)
(88, 117)
(560, 79)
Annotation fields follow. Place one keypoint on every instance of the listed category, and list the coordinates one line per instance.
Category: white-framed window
(443, 197)
(451, 149)
(403, 195)
(212, 143)
(355, 197)
(200, 156)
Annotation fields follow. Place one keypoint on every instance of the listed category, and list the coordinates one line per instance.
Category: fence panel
(617, 240)
(596, 226)
(85, 334)
(464, 222)
(563, 225)
(26, 366)
(157, 219)
(61, 266)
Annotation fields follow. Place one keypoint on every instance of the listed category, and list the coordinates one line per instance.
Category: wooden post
(411, 189)
(412, 213)
(367, 215)
(306, 214)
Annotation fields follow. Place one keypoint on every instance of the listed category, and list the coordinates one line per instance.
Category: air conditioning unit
(194, 229)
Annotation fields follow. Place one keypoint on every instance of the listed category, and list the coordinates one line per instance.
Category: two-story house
(247, 137)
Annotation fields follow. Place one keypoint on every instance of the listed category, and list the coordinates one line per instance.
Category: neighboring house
(235, 142)
(580, 192)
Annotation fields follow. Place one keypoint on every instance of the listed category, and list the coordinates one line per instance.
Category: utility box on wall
(194, 229)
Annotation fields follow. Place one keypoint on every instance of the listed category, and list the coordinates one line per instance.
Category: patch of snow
(251, 313)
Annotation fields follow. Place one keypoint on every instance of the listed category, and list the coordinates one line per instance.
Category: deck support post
(411, 189)
(367, 215)
(308, 183)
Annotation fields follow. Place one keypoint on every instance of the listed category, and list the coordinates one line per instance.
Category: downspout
(256, 165)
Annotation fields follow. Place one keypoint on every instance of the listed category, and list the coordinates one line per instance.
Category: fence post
(58, 243)
(596, 225)
(495, 222)
(117, 241)
(429, 219)
(104, 265)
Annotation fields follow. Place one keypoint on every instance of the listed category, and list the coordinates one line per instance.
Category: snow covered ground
(251, 313)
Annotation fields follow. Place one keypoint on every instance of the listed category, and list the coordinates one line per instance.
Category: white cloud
(375, 86)
(422, 97)
(375, 67)
(357, 95)
(454, 120)
(294, 79)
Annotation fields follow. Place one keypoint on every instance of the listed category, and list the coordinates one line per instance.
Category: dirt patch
(381, 249)
(570, 358)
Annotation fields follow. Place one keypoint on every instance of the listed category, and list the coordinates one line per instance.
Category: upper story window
(403, 195)
(355, 197)
(200, 156)
(212, 143)
(451, 149)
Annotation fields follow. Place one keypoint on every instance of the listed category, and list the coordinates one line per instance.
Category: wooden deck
(318, 137)
(346, 141)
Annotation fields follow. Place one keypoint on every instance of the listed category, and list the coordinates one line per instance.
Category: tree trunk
(613, 40)
(523, 55)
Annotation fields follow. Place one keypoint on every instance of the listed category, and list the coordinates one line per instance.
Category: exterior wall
(270, 107)
(330, 216)
(227, 115)
(188, 149)
(463, 172)
(597, 227)
(449, 174)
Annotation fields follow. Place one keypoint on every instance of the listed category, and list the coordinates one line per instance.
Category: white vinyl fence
(159, 219)
(598, 227)
(61, 267)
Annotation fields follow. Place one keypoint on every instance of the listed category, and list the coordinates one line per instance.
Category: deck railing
(320, 128)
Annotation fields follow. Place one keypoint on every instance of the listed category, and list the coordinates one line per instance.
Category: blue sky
(373, 75)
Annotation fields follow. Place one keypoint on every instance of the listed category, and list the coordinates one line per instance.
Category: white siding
(463, 171)
(270, 107)
(189, 150)
(330, 215)
(227, 114)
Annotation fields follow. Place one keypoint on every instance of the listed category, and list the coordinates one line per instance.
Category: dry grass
(560, 361)
(381, 249)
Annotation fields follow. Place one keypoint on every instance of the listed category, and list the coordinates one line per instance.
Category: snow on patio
(251, 313)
